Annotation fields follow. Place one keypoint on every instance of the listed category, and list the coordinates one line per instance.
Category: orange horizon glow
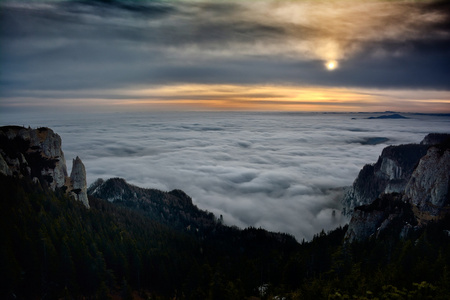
(229, 97)
(286, 98)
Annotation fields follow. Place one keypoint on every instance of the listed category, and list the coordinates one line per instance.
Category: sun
(331, 65)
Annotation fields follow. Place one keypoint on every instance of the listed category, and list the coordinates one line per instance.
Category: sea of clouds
(279, 171)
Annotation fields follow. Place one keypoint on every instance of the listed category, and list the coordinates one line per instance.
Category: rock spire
(78, 181)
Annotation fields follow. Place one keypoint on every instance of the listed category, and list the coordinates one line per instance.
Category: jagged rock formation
(78, 181)
(34, 152)
(389, 174)
(37, 153)
(4, 168)
(416, 175)
(386, 214)
(429, 186)
(174, 208)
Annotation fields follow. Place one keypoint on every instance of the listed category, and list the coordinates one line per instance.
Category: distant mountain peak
(391, 116)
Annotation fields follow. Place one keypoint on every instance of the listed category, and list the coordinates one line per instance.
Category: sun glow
(227, 97)
(331, 65)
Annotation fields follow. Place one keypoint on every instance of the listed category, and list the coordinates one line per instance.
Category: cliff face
(388, 214)
(390, 174)
(428, 188)
(414, 177)
(36, 153)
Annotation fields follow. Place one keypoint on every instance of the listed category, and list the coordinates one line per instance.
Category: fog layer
(279, 171)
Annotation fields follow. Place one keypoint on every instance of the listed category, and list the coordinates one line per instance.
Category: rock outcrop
(385, 215)
(415, 178)
(4, 168)
(390, 174)
(428, 188)
(36, 153)
(78, 181)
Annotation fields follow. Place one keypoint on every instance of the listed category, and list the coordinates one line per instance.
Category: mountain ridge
(174, 208)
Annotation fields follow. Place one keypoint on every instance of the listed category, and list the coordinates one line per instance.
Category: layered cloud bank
(88, 54)
(280, 171)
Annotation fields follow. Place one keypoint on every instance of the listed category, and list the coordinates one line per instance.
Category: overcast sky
(225, 55)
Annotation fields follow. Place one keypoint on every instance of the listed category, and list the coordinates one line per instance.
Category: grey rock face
(429, 185)
(390, 174)
(78, 181)
(4, 169)
(387, 214)
(37, 149)
(407, 187)
(37, 153)
(50, 143)
(364, 224)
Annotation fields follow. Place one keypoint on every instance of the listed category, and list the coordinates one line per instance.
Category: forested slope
(53, 247)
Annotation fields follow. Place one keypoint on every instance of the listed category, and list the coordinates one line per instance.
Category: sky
(263, 55)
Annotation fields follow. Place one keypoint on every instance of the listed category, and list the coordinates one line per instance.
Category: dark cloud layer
(60, 46)
(278, 171)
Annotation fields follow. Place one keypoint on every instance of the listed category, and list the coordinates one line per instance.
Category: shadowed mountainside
(174, 208)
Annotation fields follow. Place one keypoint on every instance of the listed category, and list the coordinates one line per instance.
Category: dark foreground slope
(54, 247)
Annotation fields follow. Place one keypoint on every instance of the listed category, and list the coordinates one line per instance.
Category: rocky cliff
(428, 190)
(390, 174)
(414, 177)
(37, 153)
(388, 214)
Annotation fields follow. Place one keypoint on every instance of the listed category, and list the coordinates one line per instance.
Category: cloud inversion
(280, 171)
